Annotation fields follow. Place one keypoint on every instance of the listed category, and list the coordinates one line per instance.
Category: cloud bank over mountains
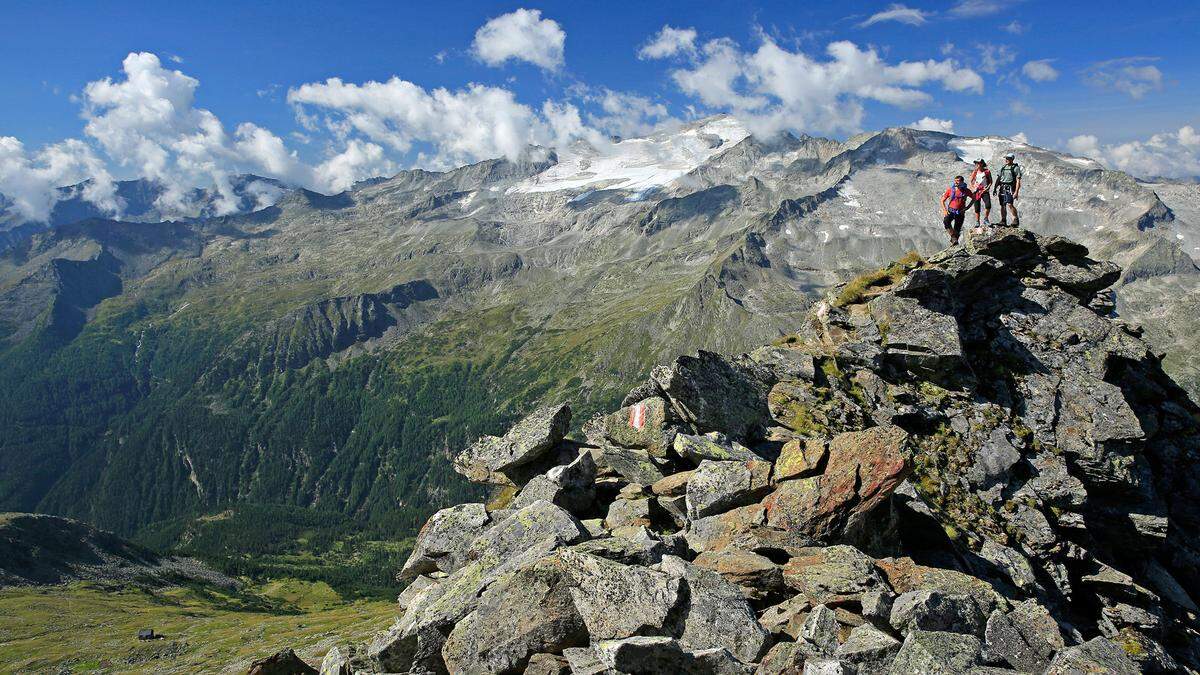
(146, 121)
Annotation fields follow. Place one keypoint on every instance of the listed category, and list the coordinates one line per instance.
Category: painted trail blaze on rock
(971, 468)
(637, 415)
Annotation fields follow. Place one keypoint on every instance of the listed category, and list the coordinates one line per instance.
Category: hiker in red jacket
(954, 202)
(981, 182)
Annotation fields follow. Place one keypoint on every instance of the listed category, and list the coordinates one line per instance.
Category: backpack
(1008, 173)
(960, 195)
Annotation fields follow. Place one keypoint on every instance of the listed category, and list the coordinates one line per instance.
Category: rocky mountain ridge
(163, 371)
(960, 464)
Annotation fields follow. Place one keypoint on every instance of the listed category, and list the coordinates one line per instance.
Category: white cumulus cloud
(773, 88)
(669, 42)
(29, 179)
(898, 13)
(1040, 71)
(521, 35)
(1169, 155)
(1135, 75)
(933, 124)
(976, 8)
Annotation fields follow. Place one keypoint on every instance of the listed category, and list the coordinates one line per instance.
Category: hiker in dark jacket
(1008, 187)
(954, 208)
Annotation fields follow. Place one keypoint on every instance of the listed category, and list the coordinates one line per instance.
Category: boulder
(936, 652)
(785, 658)
(536, 522)
(585, 661)
(800, 457)
(786, 618)
(832, 575)
(877, 606)
(523, 613)
(937, 611)
(618, 601)
(415, 590)
(716, 487)
(820, 629)
(547, 664)
(443, 541)
(870, 649)
(654, 655)
(489, 459)
(571, 486)
(1025, 638)
(628, 546)
(862, 471)
(674, 485)
(284, 662)
(917, 338)
(633, 465)
(1098, 655)
(713, 393)
(714, 613)
(712, 446)
(626, 512)
(784, 363)
(644, 424)
(757, 576)
(904, 575)
(344, 659)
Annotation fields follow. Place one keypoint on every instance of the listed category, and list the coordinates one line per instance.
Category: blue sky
(1108, 78)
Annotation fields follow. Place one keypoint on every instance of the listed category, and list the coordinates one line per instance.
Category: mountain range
(327, 352)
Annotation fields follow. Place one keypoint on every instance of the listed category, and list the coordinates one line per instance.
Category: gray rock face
(490, 459)
(618, 601)
(714, 613)
(1024, 638)
(712, 446)
(716, 487)
(937, 611)
(1097, 655)
(821, 629)
(869, 648)
(716, 394)
(936, 652)
(653, 655)
(526, 612)
(443, 541)
(571, 486)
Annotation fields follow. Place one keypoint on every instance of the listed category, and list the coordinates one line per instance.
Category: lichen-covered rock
(714, 614)
(863, 469)
(548, 664)
(443, 541)
(1025, 638)
(674, 485)
(654, 655)
(755, 574)
(344, 659)
(619, 601)
(1098, 655)
(785, 658)
(523, 613)
(870, 649)
(488, 459)
(712, 446)
(937, 611)
(626, 512)
(832, 575)
(820, 629)
(800, 457)
(713, 393)
(926, 652)
(644, 424)
(787, 617)
(716, 487)
(536, 522)
(634, 465)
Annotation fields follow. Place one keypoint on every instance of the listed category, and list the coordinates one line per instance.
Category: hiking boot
(987, 223)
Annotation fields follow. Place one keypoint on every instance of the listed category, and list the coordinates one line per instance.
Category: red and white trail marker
(637, 415)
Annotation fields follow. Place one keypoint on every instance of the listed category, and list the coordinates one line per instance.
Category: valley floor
(85, 628)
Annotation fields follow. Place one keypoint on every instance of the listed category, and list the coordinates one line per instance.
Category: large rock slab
(489, 459)
(832, 575)
(926, 652)
(713, 393)
(716, 487)
(653, 655)
(533, 523)
(526, 612)
(714, 613)
(755, 574)
(870, 649)
(1025, 638)
(645, 424)
(618, 601)
(444, 539)
(862, 471)
(1098, 655)
(713, 446)
(937, 611)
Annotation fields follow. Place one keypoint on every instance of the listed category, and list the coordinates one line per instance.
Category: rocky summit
(964, 464)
